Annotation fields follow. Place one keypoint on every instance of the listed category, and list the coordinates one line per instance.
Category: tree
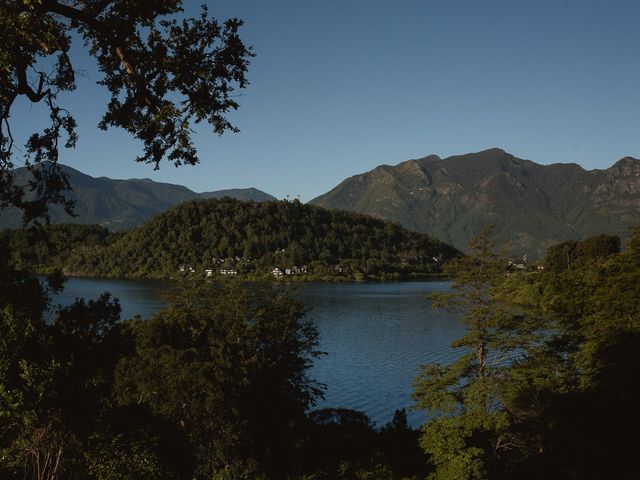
(55, 387)
(468, 430)
(561, 256)
(577, 393)
(163, 75)
(227, 365)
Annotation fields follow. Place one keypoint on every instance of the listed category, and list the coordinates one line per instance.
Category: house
(295, 270)
(209, 272)
(276, 272)
(228, 271)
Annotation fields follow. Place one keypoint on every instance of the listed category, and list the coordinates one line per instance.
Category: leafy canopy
(468, 432)
(228, 364)
(576, 393)
(163, 75)
(250, 237)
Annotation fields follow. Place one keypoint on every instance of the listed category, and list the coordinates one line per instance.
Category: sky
(338, 87)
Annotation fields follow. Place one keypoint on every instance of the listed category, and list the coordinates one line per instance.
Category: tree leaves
(163, 75)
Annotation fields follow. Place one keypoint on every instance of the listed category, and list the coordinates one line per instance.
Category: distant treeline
(536, 288)
(250, 238)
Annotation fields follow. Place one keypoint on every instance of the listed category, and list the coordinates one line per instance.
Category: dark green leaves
(228, 365)
(163, 75)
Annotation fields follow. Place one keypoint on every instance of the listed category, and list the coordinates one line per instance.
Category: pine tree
(468, 430)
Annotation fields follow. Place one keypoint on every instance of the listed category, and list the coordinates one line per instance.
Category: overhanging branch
(104, 31)
(24, 87)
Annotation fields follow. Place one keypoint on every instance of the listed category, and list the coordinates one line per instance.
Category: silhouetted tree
(228, 365)
(163, 74)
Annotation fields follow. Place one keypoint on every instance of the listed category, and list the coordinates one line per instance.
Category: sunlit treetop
(164, 73)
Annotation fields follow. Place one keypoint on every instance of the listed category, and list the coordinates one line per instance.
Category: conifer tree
(468, 430)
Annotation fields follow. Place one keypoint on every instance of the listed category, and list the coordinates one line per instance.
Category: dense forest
(249, 238)
(544, 391)
(216, 385)
(536, 285)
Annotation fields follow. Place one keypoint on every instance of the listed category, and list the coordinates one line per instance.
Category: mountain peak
(495, 151)
(627, 166)
(531, 206)
(428, 158)
(627, 161)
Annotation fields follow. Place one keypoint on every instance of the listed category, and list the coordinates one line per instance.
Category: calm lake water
(375, 335)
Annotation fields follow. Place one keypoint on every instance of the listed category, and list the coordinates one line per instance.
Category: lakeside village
(276, 272)
(520, 265)
(233, 266)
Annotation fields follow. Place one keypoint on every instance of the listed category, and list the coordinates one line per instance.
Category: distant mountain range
(531, 206)
(121, 204)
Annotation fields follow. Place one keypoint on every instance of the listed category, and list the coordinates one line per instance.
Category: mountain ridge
(119, 204)
(531, 205)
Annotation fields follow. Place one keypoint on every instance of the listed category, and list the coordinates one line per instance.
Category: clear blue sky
(341, 86)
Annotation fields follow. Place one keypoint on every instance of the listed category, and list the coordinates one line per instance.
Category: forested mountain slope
(120, 204)
(532, 206)
(249, 237)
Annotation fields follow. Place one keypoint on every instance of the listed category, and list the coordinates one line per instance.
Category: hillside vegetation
(118, 204)
(537, 288)
(531, 206)
(247, 237)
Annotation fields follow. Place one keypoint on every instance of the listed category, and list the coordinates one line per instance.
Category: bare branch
(25, 89)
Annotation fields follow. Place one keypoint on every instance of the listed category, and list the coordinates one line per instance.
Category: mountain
(532, 206)
(246, 194)
(249, 237)
(120, 204)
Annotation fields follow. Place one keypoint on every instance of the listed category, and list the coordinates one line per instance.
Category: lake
(375, 335)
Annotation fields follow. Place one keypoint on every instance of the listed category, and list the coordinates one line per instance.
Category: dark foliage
(250, 237)
(561, 256)
(163, 74)
(344, 445)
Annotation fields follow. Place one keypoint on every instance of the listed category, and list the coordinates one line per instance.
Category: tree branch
(25, 88)
(98, 26)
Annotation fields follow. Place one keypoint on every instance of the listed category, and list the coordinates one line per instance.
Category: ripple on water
(376, 336)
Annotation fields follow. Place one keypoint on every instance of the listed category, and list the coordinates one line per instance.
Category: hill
(247, 237)
(120, 204)
(532, 206)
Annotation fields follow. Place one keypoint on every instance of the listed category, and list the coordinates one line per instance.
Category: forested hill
(255, 238)
(119, 204)
(531, 206)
